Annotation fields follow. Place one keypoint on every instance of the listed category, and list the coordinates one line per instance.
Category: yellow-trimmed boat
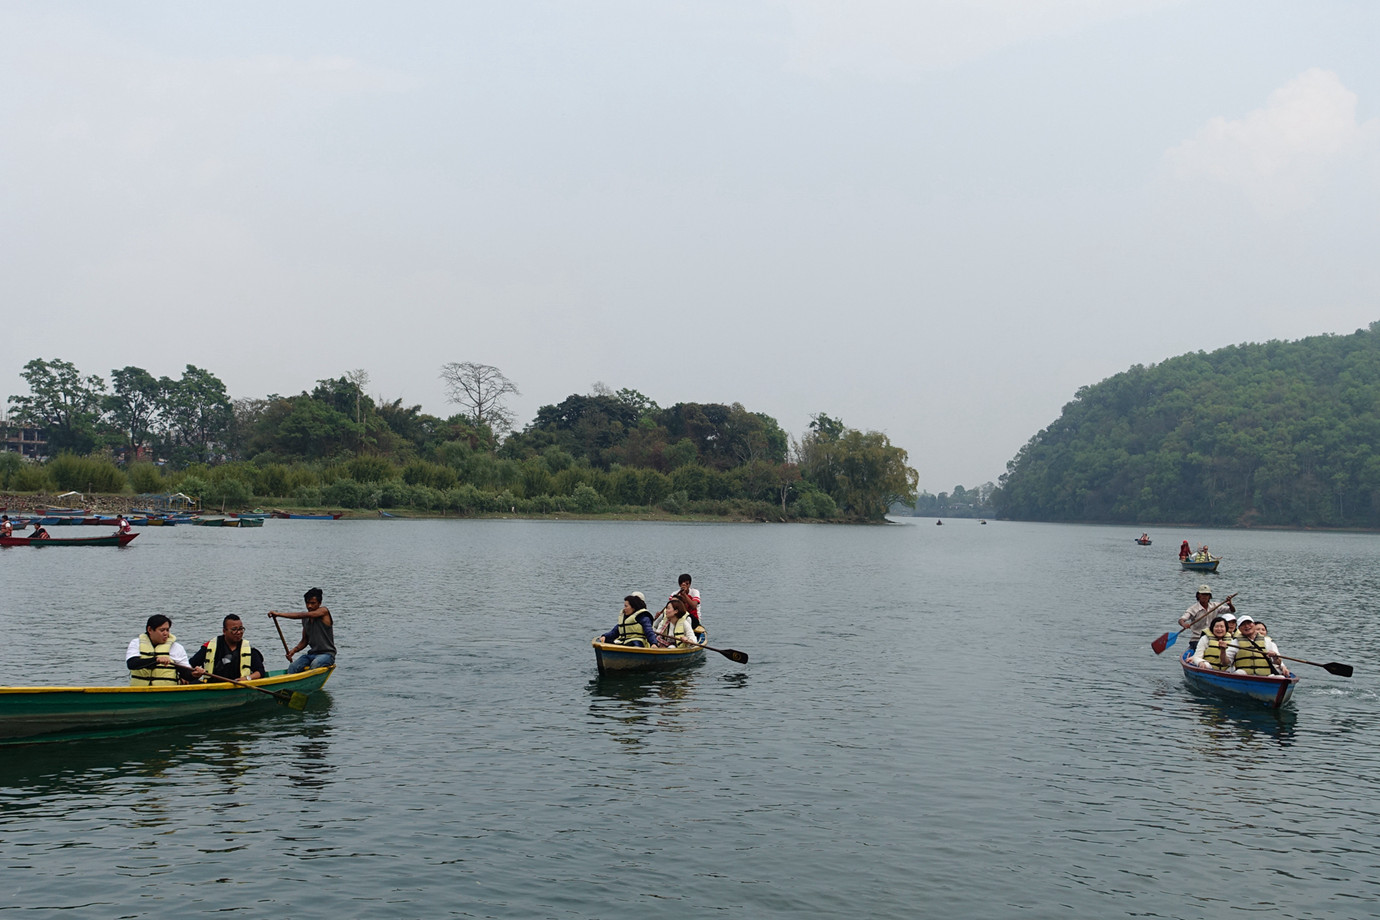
(57, 713)
(626, 659)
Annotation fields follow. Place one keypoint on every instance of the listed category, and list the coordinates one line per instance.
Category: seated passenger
(676, 628)
(1215, 649)
(634, 624)
(1271, 649)
(39, 533)
(230, 655)
(6, 528)
(154, 657)
(1250, 653)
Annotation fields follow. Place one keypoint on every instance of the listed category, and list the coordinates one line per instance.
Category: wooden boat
(114, 539)
(55, 713)
(1270, 690)
(1208, 566)
(627, 659)
(309, 517)
(251, 521)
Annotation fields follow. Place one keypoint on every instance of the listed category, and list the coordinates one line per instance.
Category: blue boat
(1266, 689)
(1208, 566)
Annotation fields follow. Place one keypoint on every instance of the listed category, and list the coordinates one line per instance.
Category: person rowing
(1194, 617)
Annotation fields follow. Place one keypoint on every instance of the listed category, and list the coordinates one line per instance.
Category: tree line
(337, 446)
(1279, 433)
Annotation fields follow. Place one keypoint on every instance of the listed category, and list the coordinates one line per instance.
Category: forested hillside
(1280, 433)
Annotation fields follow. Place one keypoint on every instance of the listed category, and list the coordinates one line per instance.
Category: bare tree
(480, 389)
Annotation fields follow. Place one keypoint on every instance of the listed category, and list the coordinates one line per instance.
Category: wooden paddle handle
(278, 626)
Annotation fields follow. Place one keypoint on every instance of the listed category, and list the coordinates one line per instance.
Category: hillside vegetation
(1280, 434)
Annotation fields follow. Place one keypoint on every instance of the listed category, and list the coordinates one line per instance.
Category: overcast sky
(935, 219)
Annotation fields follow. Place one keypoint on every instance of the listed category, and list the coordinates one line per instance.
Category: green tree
(861, 471)
(197, 412)
(135, 401)
(63, 402)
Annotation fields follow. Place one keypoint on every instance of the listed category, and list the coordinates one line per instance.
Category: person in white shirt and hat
(1196, 616)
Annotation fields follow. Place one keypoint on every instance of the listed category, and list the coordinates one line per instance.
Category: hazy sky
(935, 219)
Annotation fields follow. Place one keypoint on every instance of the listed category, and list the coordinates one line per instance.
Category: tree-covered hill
(1280, 433)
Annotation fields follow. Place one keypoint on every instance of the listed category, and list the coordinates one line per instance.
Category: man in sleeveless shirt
(318, 634)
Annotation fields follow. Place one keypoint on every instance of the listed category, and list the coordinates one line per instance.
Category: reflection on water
(1239, 731)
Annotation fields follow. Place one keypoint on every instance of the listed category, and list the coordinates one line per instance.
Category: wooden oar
(1166, 640)
(731, 653)
(1332, 667)
(293, 700)
(279, 627)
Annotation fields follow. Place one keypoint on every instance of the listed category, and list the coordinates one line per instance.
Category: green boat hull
(55, 713)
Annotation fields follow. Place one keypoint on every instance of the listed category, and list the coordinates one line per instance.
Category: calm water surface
(956, 721)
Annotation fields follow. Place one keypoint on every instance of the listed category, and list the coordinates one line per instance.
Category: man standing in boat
(318, 634)
(231, 655)
(1196, 616)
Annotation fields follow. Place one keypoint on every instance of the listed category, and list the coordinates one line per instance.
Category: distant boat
(1143, 541)
(309, 517)
(115, 539)
(1209, 565)
(939, 523)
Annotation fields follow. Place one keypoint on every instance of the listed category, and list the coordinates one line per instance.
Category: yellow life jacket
(1250, 659)
(212, 652)
(630, 632)
(1213, 653)
(682, 630)
(159, 673)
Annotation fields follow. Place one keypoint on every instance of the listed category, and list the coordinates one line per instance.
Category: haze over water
(955, 721)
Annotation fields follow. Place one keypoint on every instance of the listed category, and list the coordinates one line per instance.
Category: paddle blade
(1163, 642)
(1341, 670)
(295, 701)
(734, 654)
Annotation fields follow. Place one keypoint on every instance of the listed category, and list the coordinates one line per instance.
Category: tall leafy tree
(863, 472)
(135, 401)
(197, 412)
(63, 402)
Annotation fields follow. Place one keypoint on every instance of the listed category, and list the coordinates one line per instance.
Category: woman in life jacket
(1215, 649)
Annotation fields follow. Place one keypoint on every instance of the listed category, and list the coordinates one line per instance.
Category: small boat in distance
(115, 539)
(1143, 539)
(334, 516)
(1271, 690)
(1209, 565)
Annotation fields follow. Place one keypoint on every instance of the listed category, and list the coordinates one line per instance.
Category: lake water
(956, 721)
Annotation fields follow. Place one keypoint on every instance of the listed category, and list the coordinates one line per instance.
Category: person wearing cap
(1254, 653)
(634, 624)
(1216, 649)
(1195, 617)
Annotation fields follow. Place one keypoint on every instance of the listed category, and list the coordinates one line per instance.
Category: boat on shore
(1267, 689)
(1208, 565)
(333, 516)
(630, 659)
(114, 539)
(58, 713)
